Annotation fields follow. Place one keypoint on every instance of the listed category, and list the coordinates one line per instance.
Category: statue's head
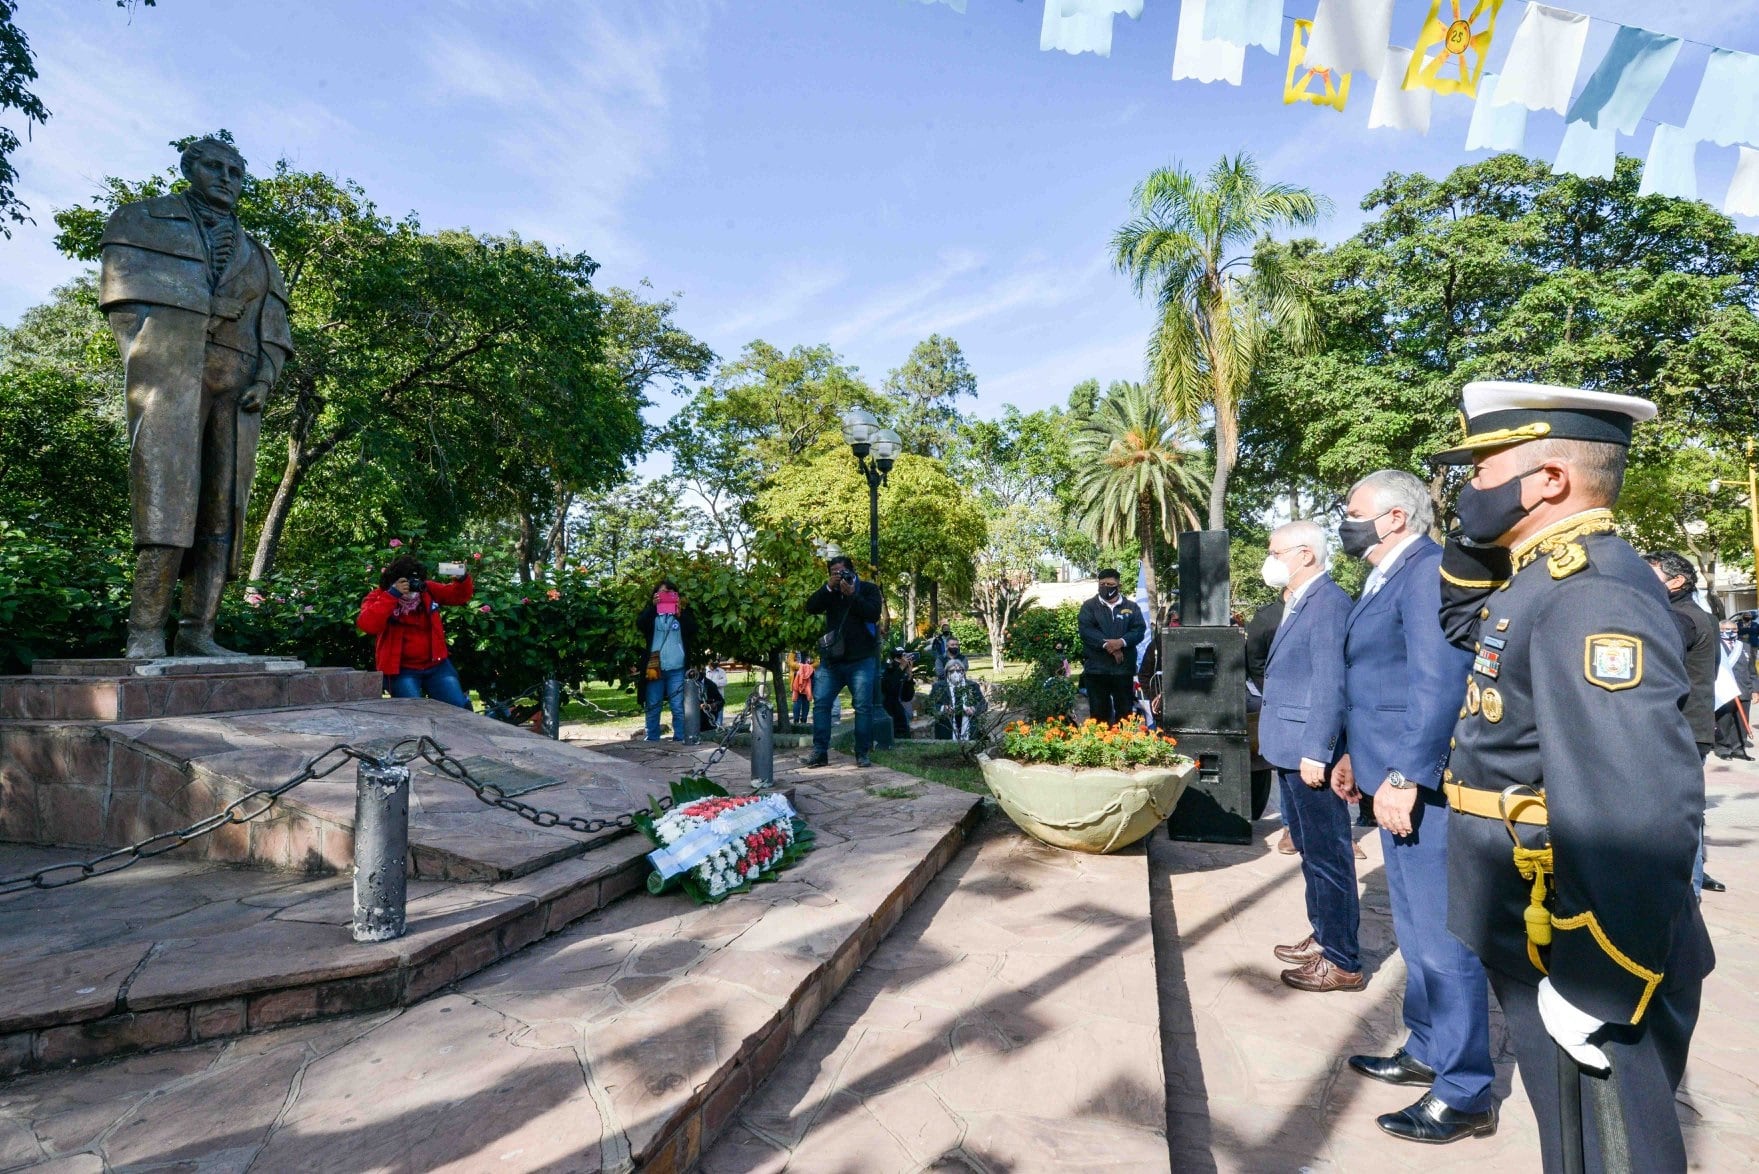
(215, 170)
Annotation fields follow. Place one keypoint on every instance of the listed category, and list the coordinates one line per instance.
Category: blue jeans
(669, 688)
(1319, 824)
(440, 683)
(802, 709)
(828, 680)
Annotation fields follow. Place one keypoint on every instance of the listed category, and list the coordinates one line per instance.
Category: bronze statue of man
(200, 314)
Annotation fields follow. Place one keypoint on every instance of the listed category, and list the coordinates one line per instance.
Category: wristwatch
(1398, 782)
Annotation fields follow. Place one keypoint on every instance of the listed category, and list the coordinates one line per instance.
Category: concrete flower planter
(1089, 809)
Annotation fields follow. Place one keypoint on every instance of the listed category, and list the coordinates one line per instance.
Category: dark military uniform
(1576, 695)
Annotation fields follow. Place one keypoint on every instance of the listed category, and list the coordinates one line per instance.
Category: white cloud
(798, 289)
(581, 122)
(1050, 375)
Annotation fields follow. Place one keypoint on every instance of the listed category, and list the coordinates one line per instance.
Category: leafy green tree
(930, 527)
(609, 528)
(1200, 247)
(18, 70)
(925, 394)
(1505, 270)
(762, 411)
(1139, 474)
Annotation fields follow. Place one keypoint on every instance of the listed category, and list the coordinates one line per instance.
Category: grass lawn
(938, 762)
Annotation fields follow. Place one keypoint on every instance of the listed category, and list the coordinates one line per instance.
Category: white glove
(1571, 1026)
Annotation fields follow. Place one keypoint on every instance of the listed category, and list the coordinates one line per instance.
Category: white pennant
(1395, 107)
(1543, 60)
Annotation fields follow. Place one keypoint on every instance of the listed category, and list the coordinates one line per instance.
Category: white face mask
(1275, 572)
(955, 678)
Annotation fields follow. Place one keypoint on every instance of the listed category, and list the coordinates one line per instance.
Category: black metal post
(381, 846)
(763, 739)
(553, 707)
(873, 483)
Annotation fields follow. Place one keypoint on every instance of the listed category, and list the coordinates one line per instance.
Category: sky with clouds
(858, 172)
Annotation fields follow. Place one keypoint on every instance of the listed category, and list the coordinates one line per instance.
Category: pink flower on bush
(308, 609)
(478, 556)
(552, 593)
(396, 542)
(485, 607)
(253, 598)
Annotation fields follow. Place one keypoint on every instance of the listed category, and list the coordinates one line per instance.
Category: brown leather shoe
(1301, 953)
(1321, 975)
(1286, 845)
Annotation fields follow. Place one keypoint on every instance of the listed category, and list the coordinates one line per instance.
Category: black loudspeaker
(1218, 805)
(1203, 680)
(1203, 578)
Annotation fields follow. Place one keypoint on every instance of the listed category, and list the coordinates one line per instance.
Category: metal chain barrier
(436, 756)
(729, 731)
(253, 805)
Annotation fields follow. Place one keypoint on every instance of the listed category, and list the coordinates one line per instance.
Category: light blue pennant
(1726, 110)
(1495, 128)
(1245, 22)
(1625, 81)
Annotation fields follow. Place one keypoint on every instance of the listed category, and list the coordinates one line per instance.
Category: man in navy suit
(1300, 732)
(1403, 687)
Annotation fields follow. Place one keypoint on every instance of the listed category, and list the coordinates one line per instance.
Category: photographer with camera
(403, 617)
(847, 657)
(667, 631)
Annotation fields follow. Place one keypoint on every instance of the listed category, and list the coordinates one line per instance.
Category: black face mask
(1108, 593)
(1487, 514)
(1357, 538)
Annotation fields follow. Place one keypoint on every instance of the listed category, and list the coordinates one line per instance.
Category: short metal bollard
(553, 707)
(692, 709)
(381, 847)
(763, 740)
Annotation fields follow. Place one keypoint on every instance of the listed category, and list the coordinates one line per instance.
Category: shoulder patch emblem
(1566, 560)
(1613, 661)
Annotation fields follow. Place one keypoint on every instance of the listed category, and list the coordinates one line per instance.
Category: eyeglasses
(1288, 549)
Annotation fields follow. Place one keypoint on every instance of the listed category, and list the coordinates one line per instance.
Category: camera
(417, 584)
(845, 575)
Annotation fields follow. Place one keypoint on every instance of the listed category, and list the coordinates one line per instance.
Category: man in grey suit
(1300, 732)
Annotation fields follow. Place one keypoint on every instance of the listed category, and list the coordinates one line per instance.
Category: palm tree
(1139, 473)
(1201, 247)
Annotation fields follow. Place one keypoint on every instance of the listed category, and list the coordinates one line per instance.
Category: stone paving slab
(1256, 1079)
(173, 951)
(629, 1039)
(1009, 1023)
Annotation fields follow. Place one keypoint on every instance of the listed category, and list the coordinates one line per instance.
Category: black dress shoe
(814, 760)
(1712, 885)
(1433, 1122)
(1399, 1068)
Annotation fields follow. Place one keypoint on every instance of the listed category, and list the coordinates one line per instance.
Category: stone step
(626, 1041)
(111, 696)
(114, 783)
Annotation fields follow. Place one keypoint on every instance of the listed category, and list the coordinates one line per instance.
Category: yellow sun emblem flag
(1332, 89)
(1450, 53)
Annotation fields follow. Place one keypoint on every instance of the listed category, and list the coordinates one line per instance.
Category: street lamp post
(875, 450)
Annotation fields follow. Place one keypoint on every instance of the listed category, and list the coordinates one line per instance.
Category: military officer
(1575, 768)
(200, 316)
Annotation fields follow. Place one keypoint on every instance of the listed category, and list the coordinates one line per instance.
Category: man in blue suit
(1403, 686)
(1300, 732)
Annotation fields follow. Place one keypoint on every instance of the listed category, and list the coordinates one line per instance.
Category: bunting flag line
(1083, 26)
(1200, 58)
(1588, 151)
(1350, 36)
(1540, 70)
(956, 5)
(1726, 110)
(1333, 91)
(1460, 46)
(1743, 190)
(1396, 107)
(1672, 166)
(1243, 22)
(1495, 128)
(1625, 81)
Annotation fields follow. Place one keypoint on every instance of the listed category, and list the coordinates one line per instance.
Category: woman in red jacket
(404, 616)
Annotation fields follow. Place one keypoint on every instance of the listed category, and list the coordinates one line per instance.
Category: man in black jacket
(1698, 636)
(1111, 627)
(847, 657)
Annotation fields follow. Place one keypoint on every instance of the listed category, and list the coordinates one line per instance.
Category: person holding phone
(403, 617)
(668, 631)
